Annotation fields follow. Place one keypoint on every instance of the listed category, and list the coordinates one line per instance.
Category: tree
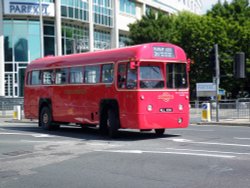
(152, 27)
(227, 25)
(236, 15)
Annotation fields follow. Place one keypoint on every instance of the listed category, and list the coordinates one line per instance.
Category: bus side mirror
(133, 65)
(188, 64)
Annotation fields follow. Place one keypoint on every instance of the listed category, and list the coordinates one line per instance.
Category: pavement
(195, 119)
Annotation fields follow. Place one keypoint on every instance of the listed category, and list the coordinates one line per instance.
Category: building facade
(66, 27)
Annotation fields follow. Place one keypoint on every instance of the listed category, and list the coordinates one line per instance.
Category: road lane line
(26, 134)
(206, 143)
(241, 138)
(206, 130)
(209, 151)
(167, 152)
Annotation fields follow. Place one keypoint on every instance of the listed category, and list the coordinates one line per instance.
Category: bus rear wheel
(45, 118)
(159, 132)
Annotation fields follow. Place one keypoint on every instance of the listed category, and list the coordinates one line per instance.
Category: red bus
(141, 87)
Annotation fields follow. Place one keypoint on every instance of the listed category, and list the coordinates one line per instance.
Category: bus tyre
(45, 118)
(159, 132)
(103, 127)
(112, 124)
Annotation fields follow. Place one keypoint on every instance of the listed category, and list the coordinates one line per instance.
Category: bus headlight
(150, 107)
(180, 107)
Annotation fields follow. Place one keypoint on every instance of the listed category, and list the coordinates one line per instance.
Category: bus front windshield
(151, 76)
(176, 76)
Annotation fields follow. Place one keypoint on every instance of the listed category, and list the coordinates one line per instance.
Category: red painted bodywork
(81, 103)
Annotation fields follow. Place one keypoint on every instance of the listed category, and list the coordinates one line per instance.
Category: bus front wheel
(112, 123)
(159, 132)
(45, 118)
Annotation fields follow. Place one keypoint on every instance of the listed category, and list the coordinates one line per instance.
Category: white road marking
(199, 130)
(36, 141)
(209, 151)
(241, 138)
(168, 152)
(26, 134)
(207, 143)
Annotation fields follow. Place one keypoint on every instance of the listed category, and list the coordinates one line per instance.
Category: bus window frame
(40, 77)
(52, 76)
(161, 65)
(28, 80)
(186, 73)
(112, 73)
(69, 75)
(118, 76)
(84, 73)
(131, 70)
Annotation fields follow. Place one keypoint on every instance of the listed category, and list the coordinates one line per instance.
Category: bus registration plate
(166, 109)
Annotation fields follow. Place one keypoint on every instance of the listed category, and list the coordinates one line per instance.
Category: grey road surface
(199, 156)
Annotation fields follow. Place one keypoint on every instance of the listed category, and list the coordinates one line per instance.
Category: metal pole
(58, 28)
(91, 27)
(217, 79)
(2, 72)
(41, 27)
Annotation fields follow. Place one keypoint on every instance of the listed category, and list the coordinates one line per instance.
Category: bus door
(127, 90)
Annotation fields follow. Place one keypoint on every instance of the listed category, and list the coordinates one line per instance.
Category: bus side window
(48, 77)
(92, 74)
(121, 77)
(76, 75)
(28, 81)
(36, 77)
(61, 76)
(131, 78)
(107, 73)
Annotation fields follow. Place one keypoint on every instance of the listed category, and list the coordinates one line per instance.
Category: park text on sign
(28, 8)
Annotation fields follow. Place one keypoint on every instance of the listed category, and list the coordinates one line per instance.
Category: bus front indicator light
(150, 107)
(142, 97)
(180, 120)
(180, 107)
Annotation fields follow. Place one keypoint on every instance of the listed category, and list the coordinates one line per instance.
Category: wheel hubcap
(45, 118)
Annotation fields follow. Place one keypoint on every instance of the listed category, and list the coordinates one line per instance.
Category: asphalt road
(197, 157)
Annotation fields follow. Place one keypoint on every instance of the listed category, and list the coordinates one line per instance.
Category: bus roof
(138, 52)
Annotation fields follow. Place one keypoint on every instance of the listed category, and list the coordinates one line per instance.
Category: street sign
(222, 92)
(205, 89)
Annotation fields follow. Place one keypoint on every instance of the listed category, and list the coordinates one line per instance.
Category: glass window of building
(103, 12)
(22, 40)
(21, 45)
(75, 39)
(123, 40)
(75, 9)
(128, 7)
(8, 44)
(102, 39)
(8, 86)
(49, 38)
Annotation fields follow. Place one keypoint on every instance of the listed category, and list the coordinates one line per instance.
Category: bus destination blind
(166, 52)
